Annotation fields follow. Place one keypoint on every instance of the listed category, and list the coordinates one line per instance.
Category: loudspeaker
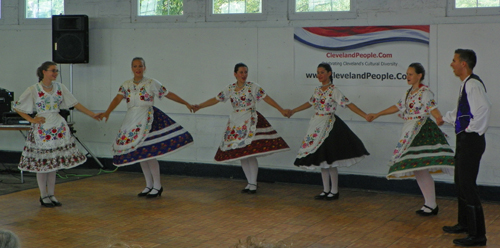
(70, 39)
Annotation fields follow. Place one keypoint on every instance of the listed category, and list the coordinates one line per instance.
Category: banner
(364, 55)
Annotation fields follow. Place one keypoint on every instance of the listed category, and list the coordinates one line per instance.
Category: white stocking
(254, 171)
(41, 178)
(334, 177)
(51, 184)
(246, 170)
(426, 184)
(154, 167)
(147, 175)
(325, 175)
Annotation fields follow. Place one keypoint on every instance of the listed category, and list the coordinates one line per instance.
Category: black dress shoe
(455, 229)
(434, 211)
(47, 205)
(252, 191)
(145, 193)
(321, 196)
(471, 241)
(55, 202)
(331, 196)
(246, 189)
(157, 193)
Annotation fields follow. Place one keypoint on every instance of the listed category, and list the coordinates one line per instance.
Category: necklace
(326, 85)
(47, 87)
(137, 82)
(238, 87)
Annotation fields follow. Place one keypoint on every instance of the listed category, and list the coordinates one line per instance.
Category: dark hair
(419, 69)
(328, 68)
(237, 67)
(139, 58)
(468, 56)
(45, 66)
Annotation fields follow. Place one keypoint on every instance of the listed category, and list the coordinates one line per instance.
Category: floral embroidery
(125, 137)
(416, 106)
(309, 139)
(54, 133)
(144, 95)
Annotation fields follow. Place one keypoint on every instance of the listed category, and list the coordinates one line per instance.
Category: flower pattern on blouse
(417, 105)
(47, 102)
(54, 133)
(243, 98)
(325, 102)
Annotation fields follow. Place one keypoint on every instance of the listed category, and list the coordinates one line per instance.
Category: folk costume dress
(146, 131)
(49, 146)
(329, 142)
(248, 133)
(422, 145)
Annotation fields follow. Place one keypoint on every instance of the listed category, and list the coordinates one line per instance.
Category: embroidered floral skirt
(44, 159)
(165, 136)
(341, 148)
(266, 142)
(428, 150)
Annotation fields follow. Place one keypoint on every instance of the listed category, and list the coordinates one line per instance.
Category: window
(236, 6)
(158, 11)
(43, 8)
(236, 10)
(322, 5)
(160, 7)
(472, 7)
(321, 9)
(476, 3)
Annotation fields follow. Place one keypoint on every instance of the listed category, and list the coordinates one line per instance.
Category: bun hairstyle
(237, 67)
(139, 58)
(328, 68)
(45, 66)
(419, 69)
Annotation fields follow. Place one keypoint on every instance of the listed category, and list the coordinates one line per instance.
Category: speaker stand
(71, 120)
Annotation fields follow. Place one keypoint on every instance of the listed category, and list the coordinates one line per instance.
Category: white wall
(194, 59)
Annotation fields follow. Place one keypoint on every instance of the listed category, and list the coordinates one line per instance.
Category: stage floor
(103, 210)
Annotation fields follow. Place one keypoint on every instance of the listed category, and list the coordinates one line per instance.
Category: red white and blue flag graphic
(349, 38)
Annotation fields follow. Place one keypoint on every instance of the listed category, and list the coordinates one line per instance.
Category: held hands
(286, 113)
(102, 116)
(439, 121)
(96, 116)
(196, 107)
(190, 107)
(370, 117)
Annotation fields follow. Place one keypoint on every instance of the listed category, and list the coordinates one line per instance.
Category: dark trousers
(470, 148)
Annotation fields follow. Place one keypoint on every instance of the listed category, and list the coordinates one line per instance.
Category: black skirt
(341, 144)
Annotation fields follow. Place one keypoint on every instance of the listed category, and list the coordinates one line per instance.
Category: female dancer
(146, 132)
(422, 148)
(248, 134)
(49, 144)
(329, 143)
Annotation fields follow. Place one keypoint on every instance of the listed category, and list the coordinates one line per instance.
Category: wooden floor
(204, 212)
